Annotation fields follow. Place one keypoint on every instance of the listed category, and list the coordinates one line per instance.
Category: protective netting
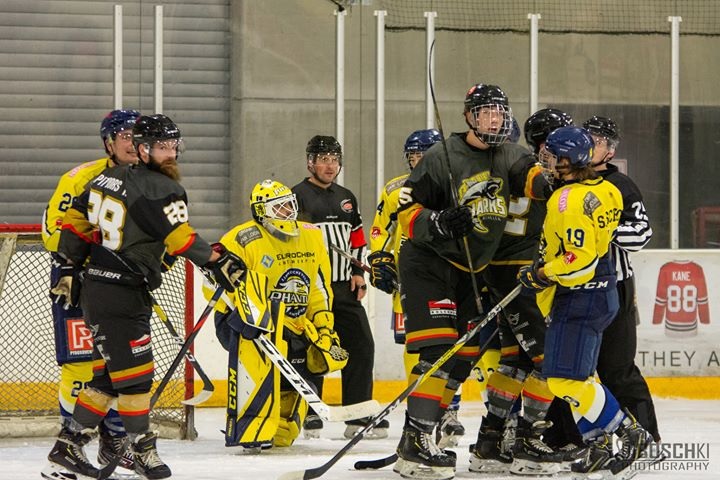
(28, 370)
(699, 17)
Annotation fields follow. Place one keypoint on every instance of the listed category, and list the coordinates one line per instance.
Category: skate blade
(479, 465)
(418, 471)
(528, 467)
(372, 434)
(311, 434)
(54, 471)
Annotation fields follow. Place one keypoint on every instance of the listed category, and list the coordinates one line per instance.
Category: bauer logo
(79, 337)
(679, 457)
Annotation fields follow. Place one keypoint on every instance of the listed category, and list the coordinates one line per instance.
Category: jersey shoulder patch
(248, 234)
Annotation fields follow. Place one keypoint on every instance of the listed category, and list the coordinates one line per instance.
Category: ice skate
(531, 456)
(597, 456)
(377, 432)
(450, 429)
(147, 461)
(420, 458)
(485, 455)
(634, 440)
(67, 457)
(113, 445)
(312, 426)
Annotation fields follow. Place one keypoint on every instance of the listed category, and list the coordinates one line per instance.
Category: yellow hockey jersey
(70, 185)
(579, 226)
(385, 234)
(298, 269)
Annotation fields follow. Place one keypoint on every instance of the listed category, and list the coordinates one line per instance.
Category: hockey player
(118, 228)
(293, 257)
(335, 210)
(385, 241)
(521, 328)
(575, 282)
(437, 284)
(73, 342)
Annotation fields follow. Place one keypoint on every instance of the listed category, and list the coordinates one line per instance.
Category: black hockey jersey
(136, 214)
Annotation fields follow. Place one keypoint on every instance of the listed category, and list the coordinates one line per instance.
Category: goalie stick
(322, 469)
(208, 387)
(330, 413)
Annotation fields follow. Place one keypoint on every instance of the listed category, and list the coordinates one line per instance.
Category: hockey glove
(228, 270)
(451, 223)
(66, 290)
(383, 272)
(529, 277)
(167, 262)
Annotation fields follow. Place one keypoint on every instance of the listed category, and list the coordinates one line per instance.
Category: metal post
(534, 17)
(118, 58)
(340, 84)
(158, 58)
(674, 132)
(430, 62)
(380, 103)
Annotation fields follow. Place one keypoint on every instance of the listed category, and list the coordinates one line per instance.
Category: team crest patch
(569, 258)
(483, 194)
(442, 308)
(346, 205)
(293, 289)
(266, 261)
(375, 232)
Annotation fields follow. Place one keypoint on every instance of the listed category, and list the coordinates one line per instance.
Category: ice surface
(683, 424)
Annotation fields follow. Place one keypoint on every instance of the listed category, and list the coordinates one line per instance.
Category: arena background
(249, 82)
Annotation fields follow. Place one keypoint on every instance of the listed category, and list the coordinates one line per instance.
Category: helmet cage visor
(492, 123)
(281, 208)
(159, 147)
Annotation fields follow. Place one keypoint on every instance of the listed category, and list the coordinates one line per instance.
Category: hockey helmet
(418, 142)
(573, 143)
(603, 127)
(150, 129)
(323, 145)
(116, 121)
(489, 97)
(541, 123)
(274, 206)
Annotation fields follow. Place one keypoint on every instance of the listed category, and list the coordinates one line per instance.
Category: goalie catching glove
(227, 270)
(324, 354)
(383, 272)
(66, 290)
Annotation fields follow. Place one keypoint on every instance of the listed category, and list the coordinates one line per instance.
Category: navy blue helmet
(573, 143)
(421, 140)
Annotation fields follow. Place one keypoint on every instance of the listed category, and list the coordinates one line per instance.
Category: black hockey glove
(451, 223)
(66, 290)
(530, 278)
(228, 270)
(167, 262)
(383, 272)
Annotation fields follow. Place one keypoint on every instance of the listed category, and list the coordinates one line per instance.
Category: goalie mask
(488, 114)
(274, 206)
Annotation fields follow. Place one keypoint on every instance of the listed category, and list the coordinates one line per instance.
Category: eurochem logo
(674, 457)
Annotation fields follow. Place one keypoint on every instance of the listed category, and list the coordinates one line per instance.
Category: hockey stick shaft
(208, 386)
(453, 188)
(319, 471)
(186, 346)
(357, 262)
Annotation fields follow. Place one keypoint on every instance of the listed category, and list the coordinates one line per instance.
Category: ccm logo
(78, 336)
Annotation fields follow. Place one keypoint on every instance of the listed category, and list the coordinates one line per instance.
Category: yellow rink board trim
(44, 395)
(384, 391)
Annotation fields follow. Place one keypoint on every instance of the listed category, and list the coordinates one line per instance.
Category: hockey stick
(208, 387)
(306, 391)
(357, 262)
(319, 471)
(186, 346)
(390, 459)
(453, 189)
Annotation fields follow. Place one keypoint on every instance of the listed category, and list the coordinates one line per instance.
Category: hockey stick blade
(319, 471)
(377, 463)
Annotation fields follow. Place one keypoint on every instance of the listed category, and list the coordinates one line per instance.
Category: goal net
(29, 374)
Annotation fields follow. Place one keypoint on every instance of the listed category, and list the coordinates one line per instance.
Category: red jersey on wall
(681, 298)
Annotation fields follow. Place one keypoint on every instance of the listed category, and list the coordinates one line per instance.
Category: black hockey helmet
(154, 128)
(481, 95)
(603, 127)
(541, 123)
(323, 144)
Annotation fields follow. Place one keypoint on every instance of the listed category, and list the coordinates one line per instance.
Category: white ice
(682, 422)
